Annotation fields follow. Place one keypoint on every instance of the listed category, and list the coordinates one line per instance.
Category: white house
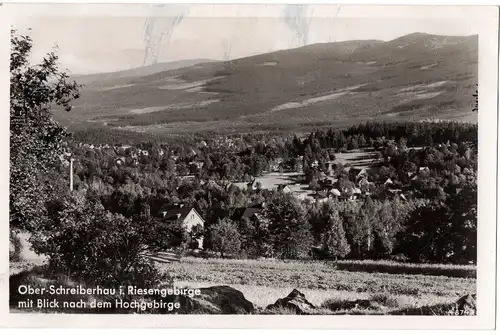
(187, 215)
(335, 192)
(284, 188)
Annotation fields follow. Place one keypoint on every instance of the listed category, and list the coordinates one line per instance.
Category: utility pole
(71, 174)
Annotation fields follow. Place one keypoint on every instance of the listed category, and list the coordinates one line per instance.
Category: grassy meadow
(325, 285)
(342, 287)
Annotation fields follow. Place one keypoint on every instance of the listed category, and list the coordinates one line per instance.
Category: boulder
(295, 301)
(466, 305)
(215, 300)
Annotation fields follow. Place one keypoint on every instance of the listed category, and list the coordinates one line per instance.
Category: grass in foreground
(262, 296)
(263, 282)
(333, 290)
(448, 270)
(313, 275)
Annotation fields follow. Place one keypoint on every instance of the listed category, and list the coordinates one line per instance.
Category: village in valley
(354, 164)
(339, 175)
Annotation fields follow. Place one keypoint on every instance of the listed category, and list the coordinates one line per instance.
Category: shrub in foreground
(98, 247)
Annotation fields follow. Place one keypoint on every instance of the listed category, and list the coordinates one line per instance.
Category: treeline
(416, 231)
(418, 133)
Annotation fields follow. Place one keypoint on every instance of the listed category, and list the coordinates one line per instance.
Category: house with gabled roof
(245, 213)
(251, 212)
(388, 182)
(363, 181)
(187, 215)
(320, 196)
(284, 188)
(356, 173)
(350, 193)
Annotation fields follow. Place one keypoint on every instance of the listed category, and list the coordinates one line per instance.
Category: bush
(225, 238)
(98, 247)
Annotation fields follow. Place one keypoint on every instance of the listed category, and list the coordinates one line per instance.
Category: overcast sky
(92, 40)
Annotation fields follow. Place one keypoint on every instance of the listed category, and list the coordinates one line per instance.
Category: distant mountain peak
(416, 76)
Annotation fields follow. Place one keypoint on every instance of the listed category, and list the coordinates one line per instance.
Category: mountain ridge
(416, 76)
(137, 71)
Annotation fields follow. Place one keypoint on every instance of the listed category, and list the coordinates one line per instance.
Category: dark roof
(355, 170)
(326, 181)
(245, 212)
(175, 213)
(257, 204)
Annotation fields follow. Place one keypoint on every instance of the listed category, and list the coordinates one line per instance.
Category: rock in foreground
(216, 300)
(466, 305)
(296, 301)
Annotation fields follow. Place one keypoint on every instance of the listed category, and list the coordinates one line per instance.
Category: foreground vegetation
(312, 275)
(265, 281)
(447, 270)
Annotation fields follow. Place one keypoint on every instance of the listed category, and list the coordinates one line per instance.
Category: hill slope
(111, 77)
(416, 76)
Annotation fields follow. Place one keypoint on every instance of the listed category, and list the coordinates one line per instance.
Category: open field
(265, 281)
(356, 158)
(272, 180)
(262, 296)
(361, 158)
(448, 270)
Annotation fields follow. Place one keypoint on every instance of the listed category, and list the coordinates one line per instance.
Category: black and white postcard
(249, 165)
